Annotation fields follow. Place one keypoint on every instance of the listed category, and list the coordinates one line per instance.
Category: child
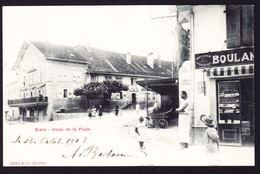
(141, 132)
(93, 111)
(212, 137)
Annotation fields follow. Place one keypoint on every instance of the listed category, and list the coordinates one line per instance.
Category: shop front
(232, 71)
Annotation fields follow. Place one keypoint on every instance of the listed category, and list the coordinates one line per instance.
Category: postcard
(128, 85)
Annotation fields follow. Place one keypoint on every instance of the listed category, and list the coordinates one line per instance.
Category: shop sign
(224, 58)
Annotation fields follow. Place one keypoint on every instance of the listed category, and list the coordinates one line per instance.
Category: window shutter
(247, 25)
(233, 13)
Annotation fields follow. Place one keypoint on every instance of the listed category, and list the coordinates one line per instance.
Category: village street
(109, 141)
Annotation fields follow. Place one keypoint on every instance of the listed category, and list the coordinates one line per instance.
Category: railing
(28, 100)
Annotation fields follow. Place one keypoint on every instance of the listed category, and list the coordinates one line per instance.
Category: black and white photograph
(128, 85)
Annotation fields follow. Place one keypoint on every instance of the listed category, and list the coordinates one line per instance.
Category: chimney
(159, 61)
(128, 58)
(150, 60)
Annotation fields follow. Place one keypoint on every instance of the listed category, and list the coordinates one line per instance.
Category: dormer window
(71, 55)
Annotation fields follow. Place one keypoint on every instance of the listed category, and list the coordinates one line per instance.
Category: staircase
(126, 103)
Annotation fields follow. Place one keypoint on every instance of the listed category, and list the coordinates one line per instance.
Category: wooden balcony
(29, 102)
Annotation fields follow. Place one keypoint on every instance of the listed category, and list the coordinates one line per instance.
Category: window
(63, 76)
(23, 80)
(94, 78)
(31, 112)
(240, 25)
(40, 77)
(108, 78)
(65, 93)
(44, 112)
(76, 76)
(133, 81)
(119, 79)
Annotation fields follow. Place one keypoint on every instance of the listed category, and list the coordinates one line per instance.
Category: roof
(102, 61)
(60, 52)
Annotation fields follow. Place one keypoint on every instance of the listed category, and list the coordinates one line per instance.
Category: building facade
(49, 73)
(219, 76)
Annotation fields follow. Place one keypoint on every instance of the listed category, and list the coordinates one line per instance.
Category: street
(109, 141)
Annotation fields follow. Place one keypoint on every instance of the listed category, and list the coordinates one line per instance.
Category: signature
(94, 152)
(83, 149)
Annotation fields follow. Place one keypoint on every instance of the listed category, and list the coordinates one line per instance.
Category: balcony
(29, 102)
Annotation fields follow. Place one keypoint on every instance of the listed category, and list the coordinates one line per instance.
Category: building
(49, 73)
(219, 76)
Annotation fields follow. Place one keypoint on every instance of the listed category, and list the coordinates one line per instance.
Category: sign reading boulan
(224, 58)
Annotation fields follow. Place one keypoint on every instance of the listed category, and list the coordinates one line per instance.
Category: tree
(110, 87)
(100, 89)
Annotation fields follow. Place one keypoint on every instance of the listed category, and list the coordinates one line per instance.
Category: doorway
(133, 98)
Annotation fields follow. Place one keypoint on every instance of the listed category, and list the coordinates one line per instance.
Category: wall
(63, 75)
(209, 36)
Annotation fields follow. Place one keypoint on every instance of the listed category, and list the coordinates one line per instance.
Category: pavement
(117, 133)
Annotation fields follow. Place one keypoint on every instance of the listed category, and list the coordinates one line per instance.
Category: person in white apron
(184, 121)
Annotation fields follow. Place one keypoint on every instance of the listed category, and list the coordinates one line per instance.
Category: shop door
(229, 117)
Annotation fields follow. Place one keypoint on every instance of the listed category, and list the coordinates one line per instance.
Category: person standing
(140, 126)
(137, 108)
(116, 110)
(89, 113)
(100, 111)
(184, 121)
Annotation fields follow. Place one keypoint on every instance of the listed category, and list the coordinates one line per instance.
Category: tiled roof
(57, 51)
(138, 64)
(102, 61)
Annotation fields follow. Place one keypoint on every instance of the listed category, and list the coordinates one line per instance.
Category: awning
(231, 71)
(161, 86)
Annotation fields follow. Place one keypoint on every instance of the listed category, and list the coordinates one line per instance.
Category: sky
(115, 28)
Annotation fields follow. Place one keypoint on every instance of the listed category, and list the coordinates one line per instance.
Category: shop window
(240, 25)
